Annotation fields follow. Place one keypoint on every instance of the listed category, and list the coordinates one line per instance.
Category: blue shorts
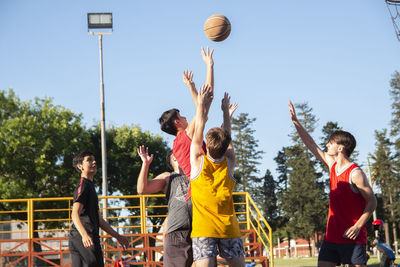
(352, 253)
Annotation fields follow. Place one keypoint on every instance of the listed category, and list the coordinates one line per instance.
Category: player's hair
(168, 160)
(344, 138)
(78, 159)
(167, 121)
(217, 142)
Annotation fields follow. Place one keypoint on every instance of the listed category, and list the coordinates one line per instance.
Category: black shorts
(352, 253)
(178, 249)
(81, 256)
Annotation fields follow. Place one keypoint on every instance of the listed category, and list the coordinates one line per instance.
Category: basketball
(217, 28)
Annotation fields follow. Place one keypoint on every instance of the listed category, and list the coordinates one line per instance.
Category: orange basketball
(217, 28)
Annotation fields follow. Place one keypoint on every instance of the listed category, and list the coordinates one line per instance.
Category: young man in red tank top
(351, 199)
(173, 123)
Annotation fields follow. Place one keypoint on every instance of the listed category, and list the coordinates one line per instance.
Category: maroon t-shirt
(181, 151)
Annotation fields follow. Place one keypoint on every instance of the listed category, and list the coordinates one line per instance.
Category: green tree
(38, 142)
(395, 122)
(246, 152)
(282, 169)
(384, 175)
(267, 199)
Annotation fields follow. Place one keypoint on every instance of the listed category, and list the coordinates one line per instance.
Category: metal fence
(34, 232)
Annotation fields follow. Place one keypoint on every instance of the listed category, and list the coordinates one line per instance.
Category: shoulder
(163, 176)
(358, 177)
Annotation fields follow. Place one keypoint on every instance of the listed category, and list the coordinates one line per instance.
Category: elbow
(141, 191)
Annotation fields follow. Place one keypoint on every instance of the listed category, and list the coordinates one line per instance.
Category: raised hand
(188, 78)
(205, 95)
(225, 103)
(232, 109)
(144, 154)
(292, 112)
(207, 56)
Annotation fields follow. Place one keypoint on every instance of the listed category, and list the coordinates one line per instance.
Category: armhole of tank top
(330, 167)
(229, 170)
(169, 185)
(353, 187)
(201, 167)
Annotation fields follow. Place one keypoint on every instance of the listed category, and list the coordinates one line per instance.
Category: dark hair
(167, 121)
(217, 142)
(346, 139)
(78, 159)
(168, 160)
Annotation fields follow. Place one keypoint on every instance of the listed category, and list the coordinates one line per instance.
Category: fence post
(30, 218)
(247, 211)
(143, 214)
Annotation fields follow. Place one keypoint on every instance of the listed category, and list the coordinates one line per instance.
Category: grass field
(311, 262)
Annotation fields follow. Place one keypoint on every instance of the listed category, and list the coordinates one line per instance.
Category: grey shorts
(209, 247)
(178, 249)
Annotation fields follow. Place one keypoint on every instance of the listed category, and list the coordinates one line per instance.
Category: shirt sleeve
(81, 193)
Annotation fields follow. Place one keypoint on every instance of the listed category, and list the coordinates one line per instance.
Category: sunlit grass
(311, 262)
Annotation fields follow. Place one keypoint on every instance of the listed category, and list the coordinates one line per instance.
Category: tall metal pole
(103, 130)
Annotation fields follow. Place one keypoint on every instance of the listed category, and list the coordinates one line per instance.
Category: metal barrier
(36, 230)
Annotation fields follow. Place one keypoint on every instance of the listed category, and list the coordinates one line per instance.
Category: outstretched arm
(227, 110)
(153, 186)
(188, 80)
(106, 227)
(208, 59)
(360, 181)
(308, 140)
(204, 97)
(232, 109)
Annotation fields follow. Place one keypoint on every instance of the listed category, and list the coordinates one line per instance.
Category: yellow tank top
(213, 211)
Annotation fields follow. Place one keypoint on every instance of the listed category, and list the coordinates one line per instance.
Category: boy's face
(88, 166)
(181, 122)
(333, 148)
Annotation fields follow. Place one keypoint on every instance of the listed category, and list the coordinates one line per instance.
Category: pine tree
(246, 152)
(282, 181)
(395, 130)
(267, 199)
(384, 175)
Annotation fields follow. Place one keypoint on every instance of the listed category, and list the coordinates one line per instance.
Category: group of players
(201, 218)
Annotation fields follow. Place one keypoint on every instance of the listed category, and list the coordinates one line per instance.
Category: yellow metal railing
(43, 217)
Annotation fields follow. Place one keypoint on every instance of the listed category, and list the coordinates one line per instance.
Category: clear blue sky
(336, 55)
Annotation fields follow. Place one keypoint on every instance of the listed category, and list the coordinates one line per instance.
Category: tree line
(39, 139)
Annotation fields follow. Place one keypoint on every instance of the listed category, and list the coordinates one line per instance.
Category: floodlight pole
(104, 186)
(99, 24)
(103, 127)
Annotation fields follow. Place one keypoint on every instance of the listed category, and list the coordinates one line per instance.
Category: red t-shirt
(345, 208)
(181, 151)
